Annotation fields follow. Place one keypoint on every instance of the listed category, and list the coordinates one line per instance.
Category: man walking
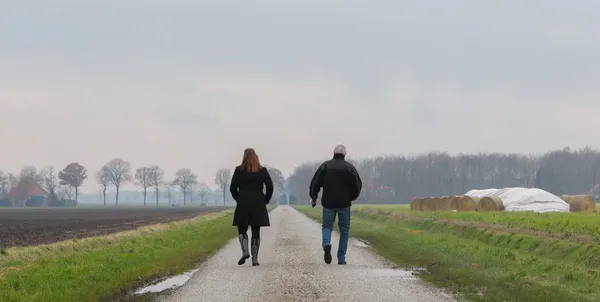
(341, 185)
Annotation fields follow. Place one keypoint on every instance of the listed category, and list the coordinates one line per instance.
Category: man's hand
(314, 203)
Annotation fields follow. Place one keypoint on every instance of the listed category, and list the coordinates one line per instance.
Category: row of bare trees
(116, 173)
(399, 179)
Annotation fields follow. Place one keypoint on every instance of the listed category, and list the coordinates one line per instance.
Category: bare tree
(73, 175)
(156, 179)
(202, 191)
(103, 178)
(222, 179)
(13, 182)
(184, 178)
(144, 179)
(49, 179)
(119, 172)
(277, 177)
(191, 190)
(50, 182)
(299, 181)
(4, 183)
(31, 173)
(64, 192)
(169, 187)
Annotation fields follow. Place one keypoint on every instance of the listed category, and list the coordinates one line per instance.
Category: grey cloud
(458, 75)
(551, 45)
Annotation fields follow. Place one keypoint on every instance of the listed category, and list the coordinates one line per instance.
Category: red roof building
(26, 189)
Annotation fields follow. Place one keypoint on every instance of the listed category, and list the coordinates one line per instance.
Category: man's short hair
(339, 149)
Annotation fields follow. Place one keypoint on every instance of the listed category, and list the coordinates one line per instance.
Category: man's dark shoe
(342, 262)
(327, 250)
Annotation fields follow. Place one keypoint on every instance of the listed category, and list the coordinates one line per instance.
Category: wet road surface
(292, 269)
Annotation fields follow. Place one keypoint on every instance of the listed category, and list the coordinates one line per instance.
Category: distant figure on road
(341, 185)
(251, 210)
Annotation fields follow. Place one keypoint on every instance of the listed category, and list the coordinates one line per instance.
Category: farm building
(28, 193)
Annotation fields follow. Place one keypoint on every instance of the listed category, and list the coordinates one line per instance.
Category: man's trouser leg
(344, 225)
(327, 227)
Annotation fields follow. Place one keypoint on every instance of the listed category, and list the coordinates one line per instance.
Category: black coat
(340, 182)
(247, 190)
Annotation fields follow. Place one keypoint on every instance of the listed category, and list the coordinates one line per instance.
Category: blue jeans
(344, 225)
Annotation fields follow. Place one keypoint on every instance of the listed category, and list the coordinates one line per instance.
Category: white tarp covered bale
(525, 199)
(482, 193)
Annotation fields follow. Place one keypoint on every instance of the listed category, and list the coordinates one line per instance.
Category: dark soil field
(23, 227)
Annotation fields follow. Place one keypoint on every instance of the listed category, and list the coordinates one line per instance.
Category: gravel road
(292, 269)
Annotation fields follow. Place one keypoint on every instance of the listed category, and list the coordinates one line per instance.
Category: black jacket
(247, 190)
(340, 182)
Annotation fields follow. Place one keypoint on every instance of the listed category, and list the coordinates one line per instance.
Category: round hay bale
(432, 205)
(444, 204)
(490, 203)
(414, 204)
(464, 203)
(437, 201)
(454, 203)
(567, 198)
(427, 204)
(419, 204)
(581, 203)
(424, 205)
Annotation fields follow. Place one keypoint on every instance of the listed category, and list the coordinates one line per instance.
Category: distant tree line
(62, 186)
(57, 186)
(399, 179)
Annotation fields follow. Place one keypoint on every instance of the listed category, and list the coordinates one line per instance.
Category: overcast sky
(192, 83)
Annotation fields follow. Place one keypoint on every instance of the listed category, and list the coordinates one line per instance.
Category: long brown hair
(250, 161)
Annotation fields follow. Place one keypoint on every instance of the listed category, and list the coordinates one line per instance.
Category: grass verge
(481, 264)
(95, 269)
(581, 223)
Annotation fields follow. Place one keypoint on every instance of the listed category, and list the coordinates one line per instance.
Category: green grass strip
(585, 223)
(95, 269)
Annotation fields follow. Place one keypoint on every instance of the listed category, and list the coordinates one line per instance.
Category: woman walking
(251, 210)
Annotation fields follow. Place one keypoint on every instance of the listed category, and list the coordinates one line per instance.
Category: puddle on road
(398, 273)
(361, 243)
(170, 283)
